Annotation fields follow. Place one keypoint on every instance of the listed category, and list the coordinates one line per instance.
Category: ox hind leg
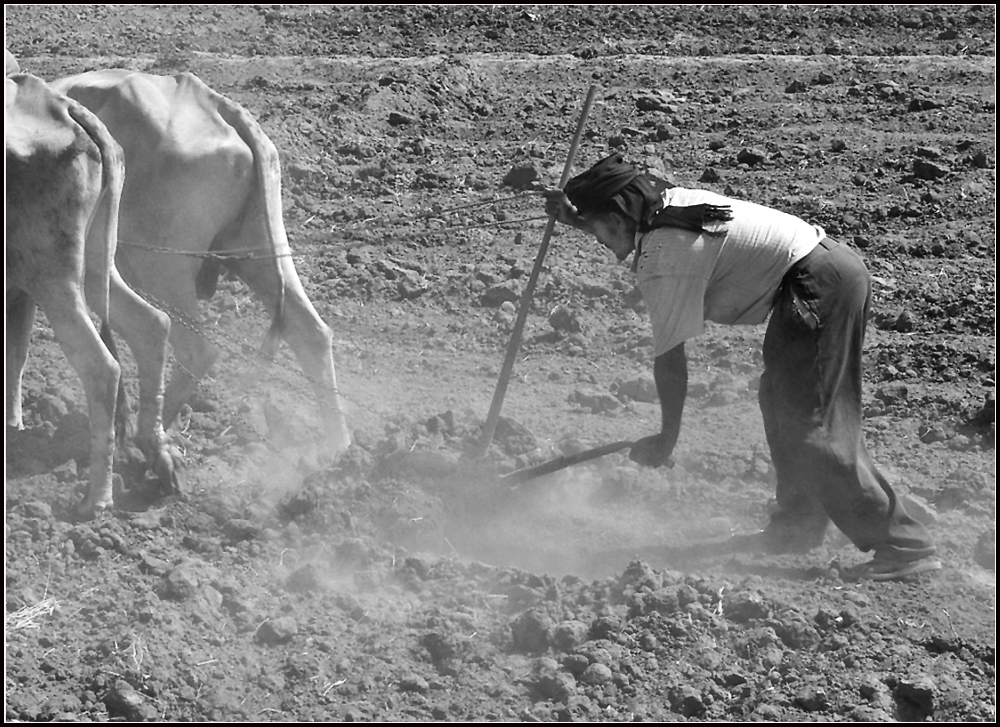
(169, 282)
(145, 330)
(66, 311)
(20, 321)
(194, 355)
(310, 339)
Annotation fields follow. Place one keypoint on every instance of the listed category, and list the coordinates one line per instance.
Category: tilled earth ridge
(405, 581)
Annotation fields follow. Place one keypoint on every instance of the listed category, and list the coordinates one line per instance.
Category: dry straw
(27, 617)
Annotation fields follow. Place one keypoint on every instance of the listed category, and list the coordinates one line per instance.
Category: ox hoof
(169, 471)
(98, 499)
(87, 509)
(337, 444)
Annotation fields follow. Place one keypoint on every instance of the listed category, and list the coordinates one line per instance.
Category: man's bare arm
(670, 374)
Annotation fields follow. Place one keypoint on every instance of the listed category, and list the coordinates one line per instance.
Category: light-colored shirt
(730, 276)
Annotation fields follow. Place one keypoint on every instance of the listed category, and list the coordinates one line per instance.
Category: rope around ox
(259, 254)
(231, 345)
(255, 355)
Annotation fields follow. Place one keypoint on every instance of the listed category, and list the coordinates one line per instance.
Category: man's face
(613, 230)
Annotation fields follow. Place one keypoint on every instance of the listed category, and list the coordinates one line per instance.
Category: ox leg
(20, 321)
(194, 356)
(145, 330)
(311, 340)
(66, 311)
(172, 289)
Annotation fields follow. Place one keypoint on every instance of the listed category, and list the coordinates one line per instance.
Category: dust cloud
(588, 521)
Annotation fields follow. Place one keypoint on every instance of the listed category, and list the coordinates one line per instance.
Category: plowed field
(404, 580)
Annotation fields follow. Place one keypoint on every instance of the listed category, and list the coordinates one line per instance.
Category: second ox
(62, 196)
(202, 177)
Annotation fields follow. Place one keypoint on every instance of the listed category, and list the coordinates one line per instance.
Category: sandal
(893, 570)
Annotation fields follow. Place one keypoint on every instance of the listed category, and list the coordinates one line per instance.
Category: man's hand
(557, 205)
(722, 213)
(652, 452)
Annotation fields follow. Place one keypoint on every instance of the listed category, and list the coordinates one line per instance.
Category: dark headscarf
(613, 185)
(595, 188)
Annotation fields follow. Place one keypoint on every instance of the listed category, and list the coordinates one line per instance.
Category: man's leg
(830, 293)
(800, 522)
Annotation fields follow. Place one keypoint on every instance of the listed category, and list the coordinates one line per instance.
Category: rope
(246, 253)
(259, 254)
(230, 344)
(471, 205)
(488, 224)
(251, 354)
(234, 347)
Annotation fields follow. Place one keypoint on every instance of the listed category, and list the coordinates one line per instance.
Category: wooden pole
(522, 312)
(561, 463)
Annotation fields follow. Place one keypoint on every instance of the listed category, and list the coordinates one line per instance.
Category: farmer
(700, 256)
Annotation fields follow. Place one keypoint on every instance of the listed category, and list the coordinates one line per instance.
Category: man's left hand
(652, 452)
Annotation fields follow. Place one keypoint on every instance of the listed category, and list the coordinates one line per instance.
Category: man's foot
(881, 569)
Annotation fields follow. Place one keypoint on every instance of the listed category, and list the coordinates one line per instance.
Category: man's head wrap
(594, 189)
(612, 185)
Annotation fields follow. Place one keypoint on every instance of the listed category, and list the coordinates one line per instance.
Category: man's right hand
(557, 205)
(652, 452)
(722, 213)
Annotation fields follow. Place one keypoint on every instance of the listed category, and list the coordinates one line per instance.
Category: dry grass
(27, 617)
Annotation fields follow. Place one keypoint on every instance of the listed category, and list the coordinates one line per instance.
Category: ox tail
(266, 200)
(102, 231)
(206, 280)
(274, 334)
(102, 228)
(121, 401)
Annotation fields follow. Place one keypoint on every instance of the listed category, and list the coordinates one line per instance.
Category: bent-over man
(701, 256)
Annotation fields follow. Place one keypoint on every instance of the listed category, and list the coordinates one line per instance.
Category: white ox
(64, 177)
(10, 64)
(202, 177)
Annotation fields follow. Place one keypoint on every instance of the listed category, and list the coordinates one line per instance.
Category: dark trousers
(810, 397)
